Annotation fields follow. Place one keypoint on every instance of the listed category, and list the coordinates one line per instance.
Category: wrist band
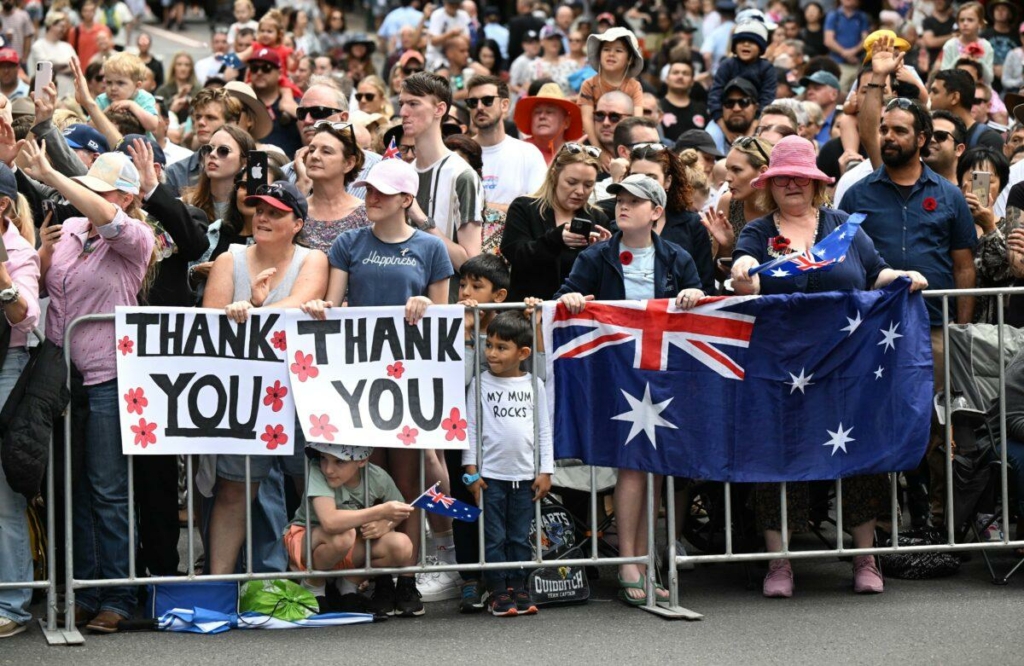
(470, 479)
(873, 85)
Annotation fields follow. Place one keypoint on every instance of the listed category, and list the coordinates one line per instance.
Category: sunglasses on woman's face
(784, 181)
(574, 148)
(316, 112)
(365, 97)
(221, 152)
(473, 102)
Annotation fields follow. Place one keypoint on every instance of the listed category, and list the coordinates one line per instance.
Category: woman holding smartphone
(982, 174)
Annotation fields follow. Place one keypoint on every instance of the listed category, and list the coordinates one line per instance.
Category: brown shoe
(82, 617)
(105, 623)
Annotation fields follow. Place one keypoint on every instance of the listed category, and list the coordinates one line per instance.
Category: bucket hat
(792, 156)
(595, 41)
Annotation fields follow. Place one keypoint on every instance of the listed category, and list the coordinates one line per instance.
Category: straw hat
(792, 156)
(549, 93)
(595, 41)
(261, 122)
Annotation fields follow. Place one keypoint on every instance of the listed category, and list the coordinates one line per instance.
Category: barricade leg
(673, 611)
(69, 634)
(54, 635)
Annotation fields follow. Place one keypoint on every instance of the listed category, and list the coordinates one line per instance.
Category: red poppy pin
(626, 258)
(930, 204)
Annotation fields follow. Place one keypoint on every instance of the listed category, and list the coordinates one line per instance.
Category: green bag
(282, 599)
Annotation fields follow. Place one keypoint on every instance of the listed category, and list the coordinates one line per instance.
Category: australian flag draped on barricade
(745, 389)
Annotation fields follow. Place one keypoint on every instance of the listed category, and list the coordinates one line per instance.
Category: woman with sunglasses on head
(333, 161)
(272, 272)
(679, 224)
(794, 190)
(747, 159)
(538, 241)
(391, 263)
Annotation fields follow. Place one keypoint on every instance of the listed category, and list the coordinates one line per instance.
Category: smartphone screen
(980, 182)
(257, 168)
(44, 76)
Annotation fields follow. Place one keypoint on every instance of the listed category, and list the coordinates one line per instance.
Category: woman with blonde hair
(181, 82)
(372, 97)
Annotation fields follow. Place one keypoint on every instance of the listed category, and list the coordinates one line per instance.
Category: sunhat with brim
(1015, 102)
(1014, 11)
(595, 41)
(1018, 111)
(343, 452)
(360, 38)
(899, 43)
(792, 156)
(551, 94)
(262, 125)
(392, 177)
(111, 172)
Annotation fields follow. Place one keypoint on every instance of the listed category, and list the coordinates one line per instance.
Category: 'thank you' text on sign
(365, 377)
(192, 381)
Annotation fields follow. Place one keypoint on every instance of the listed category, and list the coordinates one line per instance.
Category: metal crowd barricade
(673, 610)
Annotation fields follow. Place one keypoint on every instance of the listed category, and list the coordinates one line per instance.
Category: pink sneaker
(779, 581)
(867, 579)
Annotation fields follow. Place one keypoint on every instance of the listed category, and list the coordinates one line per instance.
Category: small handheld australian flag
(823, 255)
(436, 501)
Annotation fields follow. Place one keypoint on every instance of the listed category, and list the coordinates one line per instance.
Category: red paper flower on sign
(626, 258)
(279, 340)
(930, 204)
(455, 426)
(275, 395)
(322, 428)
(125, 345)
(303, 366)
(274, 437)
(137, 400)
(408, 435)
(144, 433)
(396, 370)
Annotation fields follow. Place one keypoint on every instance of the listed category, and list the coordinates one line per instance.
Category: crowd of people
(465, 154)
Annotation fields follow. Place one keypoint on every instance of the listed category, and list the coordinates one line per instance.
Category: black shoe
(383, 599)
(472, 598)
(524, 604)
(502, 605)
(407, 598)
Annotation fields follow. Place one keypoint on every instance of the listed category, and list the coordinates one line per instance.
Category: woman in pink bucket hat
(794, 189)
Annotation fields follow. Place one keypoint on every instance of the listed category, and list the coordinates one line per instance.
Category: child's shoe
(524, 604)
(407, 598)
(502, 605)
(383, 598)
(472, 598)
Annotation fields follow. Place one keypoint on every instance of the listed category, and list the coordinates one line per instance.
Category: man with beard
(681, 111)
(512, 168)
(611, 109)
(947, 145)
(739, 109)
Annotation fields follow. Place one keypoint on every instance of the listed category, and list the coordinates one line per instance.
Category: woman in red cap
(794, 189)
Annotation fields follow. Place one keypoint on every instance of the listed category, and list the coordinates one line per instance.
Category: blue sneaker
(472, 598)
(524, 604)
(502, 605)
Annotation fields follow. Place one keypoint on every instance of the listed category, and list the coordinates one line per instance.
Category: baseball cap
(550, 31)
(643, 186)
(531, 36)
(86, 137)
(606, 17)
(129, 140)
(111, 172)
(8, 183)
(391, 177)
(268, 56)
(744, 85)
(822, 78)
(699, 140)
(410, 54)
(343, 452)
(282, 195)
(8, 55)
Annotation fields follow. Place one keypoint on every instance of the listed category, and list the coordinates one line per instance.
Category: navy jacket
(598, 271)
(760, 72)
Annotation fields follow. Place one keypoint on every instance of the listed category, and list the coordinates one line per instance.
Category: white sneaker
(10, 628)
(438, 585)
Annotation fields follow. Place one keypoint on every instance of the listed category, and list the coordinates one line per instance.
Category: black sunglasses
(941, 136)
(264, 68)
(644, 150)
(574, 148)
(98, 78)
(745, 142)
(221, 151)
(410, 149)
(316, 112)
(488, 101)
(600, 117)
(366, 97)
(900, 103)
(409, 71)
(741, 102)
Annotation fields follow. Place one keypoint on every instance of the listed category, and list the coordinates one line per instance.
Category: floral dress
(320, 234)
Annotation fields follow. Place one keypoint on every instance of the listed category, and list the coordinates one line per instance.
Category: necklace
(780, 245)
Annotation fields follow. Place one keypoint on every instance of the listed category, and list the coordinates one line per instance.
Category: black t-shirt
(814, 42)
(939, 29)
(1016, 196)
(517, 29)
(828, 157)
(678, 119)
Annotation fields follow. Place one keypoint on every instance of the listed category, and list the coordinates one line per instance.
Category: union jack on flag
(435, 501)
(392, 152)
(825, 254)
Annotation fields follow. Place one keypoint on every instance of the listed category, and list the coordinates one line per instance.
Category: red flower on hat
(275, 395)
(279, 340)
(626, 258)
(408, 435)
(144, 433)
(274, 436)
(321, 427)
(137, 400)
(930, 204)
(455, 426)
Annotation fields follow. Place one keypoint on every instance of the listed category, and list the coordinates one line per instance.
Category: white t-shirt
(513, 168)
(638, 274)
(440, 23)
(1016, 176)
(60, 54)
(851, 178)
(507, 428)
(175, 153)
(450, 194)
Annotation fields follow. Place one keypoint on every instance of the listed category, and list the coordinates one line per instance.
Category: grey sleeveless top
(243, 288)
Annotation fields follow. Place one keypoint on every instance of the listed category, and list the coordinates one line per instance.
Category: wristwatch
(9, 295)
(470, 479)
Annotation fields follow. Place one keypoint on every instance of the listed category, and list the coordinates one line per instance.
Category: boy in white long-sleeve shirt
(507, 432)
